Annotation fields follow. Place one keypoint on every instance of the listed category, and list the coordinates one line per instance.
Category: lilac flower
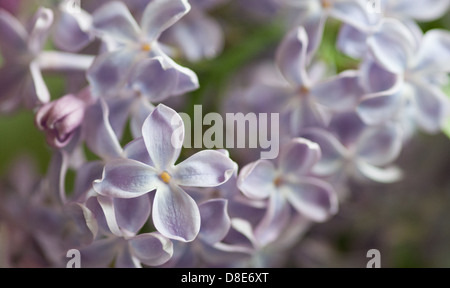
(416, 86)
(62, 117)
(246, 248)
(288, 183)
(352, 149)
(215, 223)
(175, 213)
(306, 100)
(133, 51)
(20, 76)
(120, 221)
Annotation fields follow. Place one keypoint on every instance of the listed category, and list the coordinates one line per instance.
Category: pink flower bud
(60, 118)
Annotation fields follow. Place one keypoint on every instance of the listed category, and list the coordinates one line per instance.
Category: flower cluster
(138, 198)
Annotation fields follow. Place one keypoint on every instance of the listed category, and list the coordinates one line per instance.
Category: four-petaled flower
(152, 167)
(287, 183)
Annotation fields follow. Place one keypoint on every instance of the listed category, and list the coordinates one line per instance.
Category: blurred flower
(135, 53)
(288, 183)
(20, 76)
(416, 86)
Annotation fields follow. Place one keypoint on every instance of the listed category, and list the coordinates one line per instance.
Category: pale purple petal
(43, 19)
(347, 127)
(71, 31)
(351, 12)
(84, 220)
(119, 112)
(125, 178)
(13, 36)
(197, 35)
(185, 81)
(274, 221)
(175, 214)
(299, 156)
(151, 249)
(115, 20)
(432, 107)
(109, 72)
(99, 254)
(40, 88)
(339, 93)
(312, 198)
(393, 45)
(136, 150)
(125, 259)
(161, 14)
(352, 41)
(132, 214)
(374, 78)
(98, 133)
(207, 168)
(380, 145)
(291, 57)
(152, 80)
(256, 180)
(215, 221)
(86, 174)
(377, 108)
(333, 152)
(434, 52)
(422, 10)
(383, 175)
(140, 110)
(160, 135)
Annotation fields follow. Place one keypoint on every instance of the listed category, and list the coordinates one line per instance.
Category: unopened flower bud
(59, 119)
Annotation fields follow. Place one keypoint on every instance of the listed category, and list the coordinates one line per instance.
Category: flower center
(146, 47)
(165, 177)
(326, 4)
(278, 181)
(303, 91)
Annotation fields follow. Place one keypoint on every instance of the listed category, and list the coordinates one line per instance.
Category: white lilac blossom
(152, 167)
(119, 188)
(133, 51)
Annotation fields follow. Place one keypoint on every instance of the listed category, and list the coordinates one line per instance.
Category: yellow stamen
(146, 47)
(165, 177)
